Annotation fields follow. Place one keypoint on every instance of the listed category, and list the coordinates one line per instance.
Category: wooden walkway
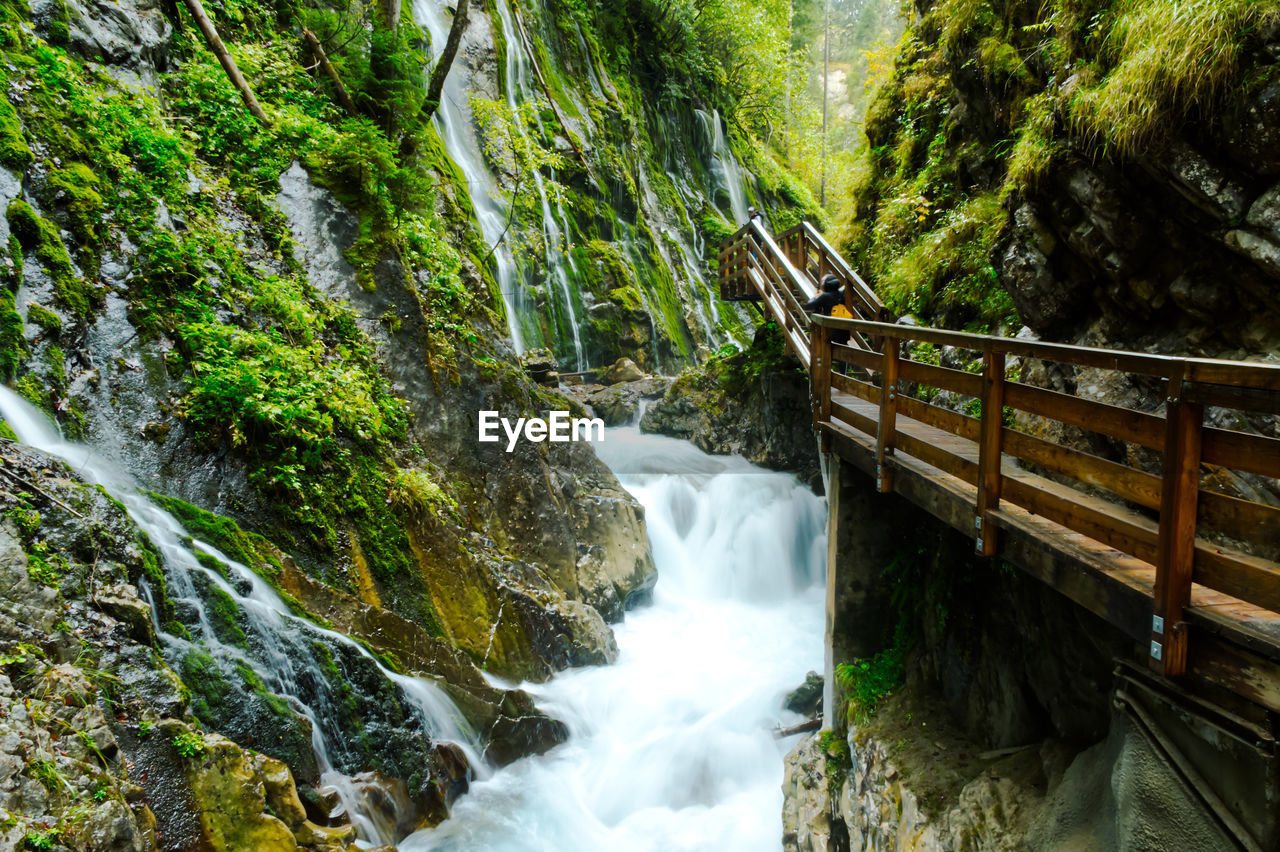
(1181, 559)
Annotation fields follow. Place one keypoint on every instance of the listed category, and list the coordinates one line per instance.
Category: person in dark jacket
(827, 299)
(824, 303)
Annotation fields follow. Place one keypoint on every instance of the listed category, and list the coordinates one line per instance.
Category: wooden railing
(1178, 521)
(783, 274)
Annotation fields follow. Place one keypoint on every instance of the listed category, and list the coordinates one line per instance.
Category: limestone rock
(622, 370)
(806, 803)
(122, 603)
(129, 33)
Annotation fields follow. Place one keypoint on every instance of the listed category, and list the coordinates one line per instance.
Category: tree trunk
(228, 64)
(322, 58)
(391, 13)
(435, 87)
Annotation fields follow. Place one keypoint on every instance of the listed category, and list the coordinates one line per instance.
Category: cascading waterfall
(453, 125)
(672, 747)
(279, 647)
(566, 303)
(726, 173)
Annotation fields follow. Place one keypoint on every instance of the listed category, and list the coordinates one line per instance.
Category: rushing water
(672, 747)
(280, 648)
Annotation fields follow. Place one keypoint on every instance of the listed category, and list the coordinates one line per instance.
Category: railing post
(820, 380)
(989, 450)
(1175, 553)
(888, 414)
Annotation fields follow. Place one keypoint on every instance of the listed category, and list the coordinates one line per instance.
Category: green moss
(14, 151)
(74, 188)
(44, 318)
(249, 549)
(13, 344)
(39, 236)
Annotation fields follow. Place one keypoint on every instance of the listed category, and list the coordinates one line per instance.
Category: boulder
(622, 370)
(806, 699)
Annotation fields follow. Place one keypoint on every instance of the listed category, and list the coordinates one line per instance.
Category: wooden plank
(1259, 400)
(1175, 557)
(941, 418)
(951, 463)
(858, 357)
(1236, 669)
(1123, 481)
(1205, 370)
(863, 390)
(888, 414)
(820, 373)
(1253, 580)
(989, 449)
(942, 377)
(1241, 451)
(1135, 427)
(1105, 522)
(853, 417)
(1244, 520)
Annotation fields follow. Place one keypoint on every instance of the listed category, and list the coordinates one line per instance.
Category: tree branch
(344, 97)
(436, 86)
(228, 64)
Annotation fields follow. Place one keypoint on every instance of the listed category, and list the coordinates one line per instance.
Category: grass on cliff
(1042, 82)
(1171, 58)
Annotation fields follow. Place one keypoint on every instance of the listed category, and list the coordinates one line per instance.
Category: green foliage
(189, 744)
(45, 566)
(1170, 58)
(867, 682)
(38, 841)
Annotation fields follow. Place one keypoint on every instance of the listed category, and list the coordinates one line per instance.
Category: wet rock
(754, 404)
(122, 603)
(230, 793)
(1253, 128)
(129, 33)
(622, 370)
(806, 804)
(540, 365)
(618, 404)
(807, 698)
(1204, 183)
(1264, 213)
(1259, 249)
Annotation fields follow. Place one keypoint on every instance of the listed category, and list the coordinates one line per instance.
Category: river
(672, 747)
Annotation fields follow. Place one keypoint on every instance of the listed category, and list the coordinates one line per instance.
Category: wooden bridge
(1182, 560)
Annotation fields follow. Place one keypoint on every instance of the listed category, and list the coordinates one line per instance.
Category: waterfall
(726, 173)
(672, 747)
(453, 124)
(280, 648)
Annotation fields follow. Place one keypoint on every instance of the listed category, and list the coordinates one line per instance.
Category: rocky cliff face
(754, 403)
(1095, 172)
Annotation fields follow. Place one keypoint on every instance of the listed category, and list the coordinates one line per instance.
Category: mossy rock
(40, 237)
(14, 151)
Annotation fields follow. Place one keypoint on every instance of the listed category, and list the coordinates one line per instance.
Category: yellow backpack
(842, 312)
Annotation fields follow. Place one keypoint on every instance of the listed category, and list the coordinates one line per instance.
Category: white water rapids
(672, 747)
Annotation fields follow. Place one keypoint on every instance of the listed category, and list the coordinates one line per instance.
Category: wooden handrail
(1160, 519)
(1208, 371)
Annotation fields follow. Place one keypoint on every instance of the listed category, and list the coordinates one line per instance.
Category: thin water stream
(672, 747)
(281, 649)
